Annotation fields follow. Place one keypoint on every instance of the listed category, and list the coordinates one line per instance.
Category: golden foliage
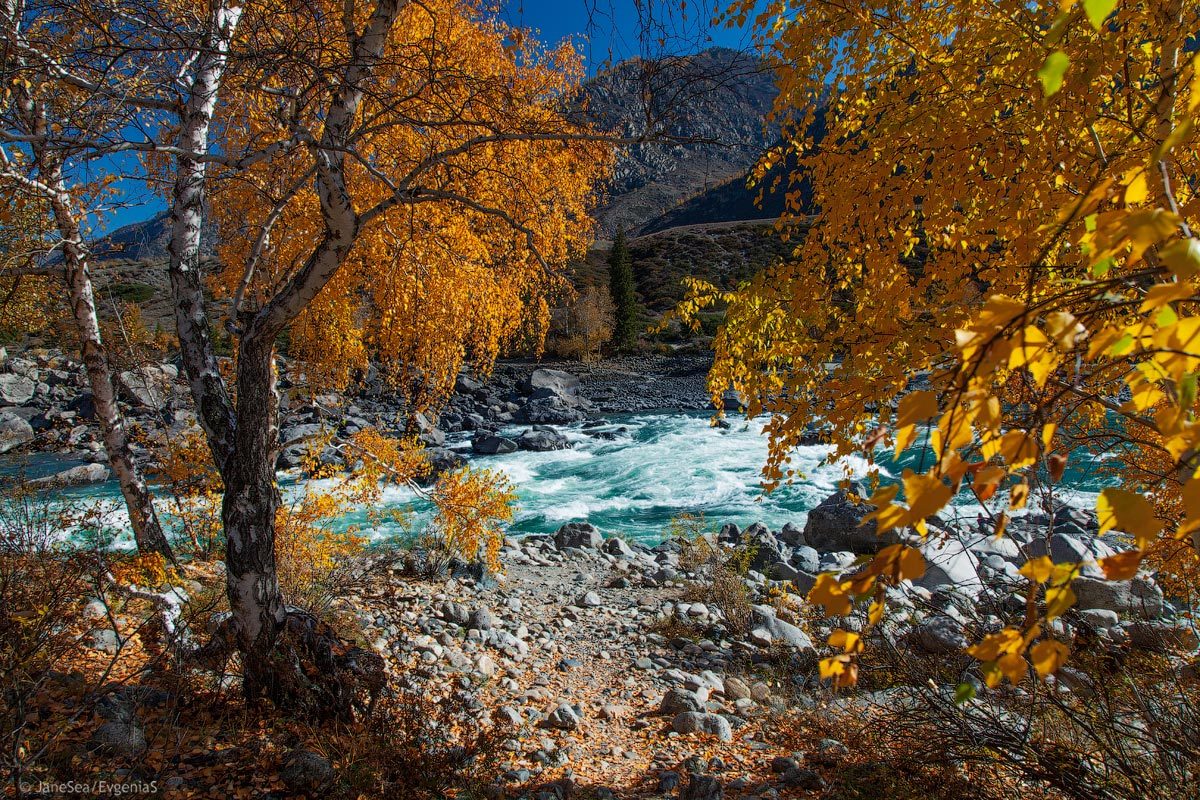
(1006, 197)
(497, 186)
(470, 505)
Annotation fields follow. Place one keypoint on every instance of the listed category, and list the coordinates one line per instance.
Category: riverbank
(595, 667)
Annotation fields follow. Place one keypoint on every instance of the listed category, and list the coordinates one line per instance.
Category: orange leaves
(470, 505)
(1122, 566)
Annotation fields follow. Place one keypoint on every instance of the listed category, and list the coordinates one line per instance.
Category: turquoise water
(660, 466)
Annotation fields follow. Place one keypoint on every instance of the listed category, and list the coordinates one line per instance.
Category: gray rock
(780, 631)
(75, 476)
(565, 717)
(617, 546)
(800, 778)
(589, 600)
(1139, 597)
(490, 444)
(105, 640)
(481, 620)
(16, 390)
(149, 386)
(792, 536)
(736, 689)
(941, 635)
(542, 440)
(802, 581)
(121, 738)
(835, 524)
(1161, 637)
(443, 460)
(678, 701)
(306, 771)
(702, 787)
(1100, 618)
(554, 381)
(806, 559)
(14, 432)
(578, 534)
(552, 411)
(700, 722)
(668, 781)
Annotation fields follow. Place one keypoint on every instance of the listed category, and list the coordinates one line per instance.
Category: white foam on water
(660, 466)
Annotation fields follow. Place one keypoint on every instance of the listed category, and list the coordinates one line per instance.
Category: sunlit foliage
(1005, 198)
(496, 187)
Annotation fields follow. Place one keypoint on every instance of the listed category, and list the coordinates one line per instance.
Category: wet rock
(542, 440)
(489, 444)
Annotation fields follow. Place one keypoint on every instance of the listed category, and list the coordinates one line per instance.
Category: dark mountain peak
(704, 120)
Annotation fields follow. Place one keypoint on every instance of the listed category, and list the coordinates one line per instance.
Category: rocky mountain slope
(704, 116)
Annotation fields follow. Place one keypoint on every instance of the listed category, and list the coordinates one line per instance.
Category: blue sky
(613, 29)
(603, 30)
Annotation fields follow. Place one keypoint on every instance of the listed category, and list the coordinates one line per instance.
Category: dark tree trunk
(250, 503)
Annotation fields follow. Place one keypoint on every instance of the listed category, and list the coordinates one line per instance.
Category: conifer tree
(620, 276)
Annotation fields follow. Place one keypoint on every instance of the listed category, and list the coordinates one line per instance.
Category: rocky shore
(620, 667)
(45, 407)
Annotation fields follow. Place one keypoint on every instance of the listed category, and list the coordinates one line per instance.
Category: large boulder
(16, 390)
(552, 411)
(81, 475)
(1139, 597)
(578, 534)
(489, 444)
(14, 432)
(836, 525)
(149, 386)
(780, 631)
(551, 383)
(541, 439)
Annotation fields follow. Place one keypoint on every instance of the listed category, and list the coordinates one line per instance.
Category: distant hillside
(707, 112)
(723, 253)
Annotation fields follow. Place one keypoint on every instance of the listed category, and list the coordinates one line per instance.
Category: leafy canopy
(1006, 195)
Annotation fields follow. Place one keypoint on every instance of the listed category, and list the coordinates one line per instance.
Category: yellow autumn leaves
(1016, 224)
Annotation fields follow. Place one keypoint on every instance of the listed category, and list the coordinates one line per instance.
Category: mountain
(704, 120)
(703, 116)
